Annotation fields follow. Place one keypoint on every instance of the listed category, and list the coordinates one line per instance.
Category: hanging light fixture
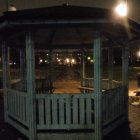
(122, 9)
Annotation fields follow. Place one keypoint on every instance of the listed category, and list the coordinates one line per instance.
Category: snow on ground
(132, 93)
(134, 99)
(135, 103)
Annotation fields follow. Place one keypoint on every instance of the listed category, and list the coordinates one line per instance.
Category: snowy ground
(134, 93)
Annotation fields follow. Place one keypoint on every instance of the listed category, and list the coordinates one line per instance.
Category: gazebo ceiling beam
(105, 44)
(68, 46)
(58, 21)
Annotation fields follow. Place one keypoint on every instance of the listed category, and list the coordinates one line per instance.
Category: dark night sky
(134, 5)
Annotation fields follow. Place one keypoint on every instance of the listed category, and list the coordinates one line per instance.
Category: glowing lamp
(121, 9)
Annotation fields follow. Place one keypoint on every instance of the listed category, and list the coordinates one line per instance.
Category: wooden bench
(44, 86)
(48, 89)
(86, 89)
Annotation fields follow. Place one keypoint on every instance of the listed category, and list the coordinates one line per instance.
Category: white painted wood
(30, 62)
(70, 107)
(66, 136)
(125, 63)
(41, 111)
(61, 111)
(17, 119)
(17, 105)
(82, 110)
(113, 105)
(110, 65)
(89, 110)
(54, 110)
(48, 111)
(75, 110)
(68, 110)
(6, 77)
(76, 102)
(97, 86)
(18, 127)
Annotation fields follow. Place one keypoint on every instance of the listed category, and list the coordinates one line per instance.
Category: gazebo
(30, 104)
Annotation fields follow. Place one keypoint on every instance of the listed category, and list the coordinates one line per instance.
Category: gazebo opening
(64, 61)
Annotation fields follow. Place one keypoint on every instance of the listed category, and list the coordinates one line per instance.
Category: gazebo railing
(88, 82)
(112, 104)
(65, 111)
(17, 105)
(113, 108)
(17, 110)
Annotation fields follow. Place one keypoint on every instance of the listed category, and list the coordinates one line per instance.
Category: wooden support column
(22, 68)
(82, 57)
(31, 103)
(110, 65)
(97, 86)
(6, 76)
(125, 68)
(22, 63)
(50, 40)
(51, 68)
(83, 67)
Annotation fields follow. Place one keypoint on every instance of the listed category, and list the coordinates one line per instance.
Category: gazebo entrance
(32, 104)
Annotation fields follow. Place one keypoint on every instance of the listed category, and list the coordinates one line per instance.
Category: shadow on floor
(121, 133)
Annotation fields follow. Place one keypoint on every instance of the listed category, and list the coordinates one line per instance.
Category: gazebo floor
(66, 86)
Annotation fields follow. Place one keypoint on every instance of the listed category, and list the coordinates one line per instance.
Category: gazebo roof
(59, 13)
(64, 25)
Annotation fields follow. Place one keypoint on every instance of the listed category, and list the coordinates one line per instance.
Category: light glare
(121, 9)
(138, 53)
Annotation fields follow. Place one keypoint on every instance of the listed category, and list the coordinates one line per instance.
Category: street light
(12, 8)
(138, 53)
(122, 9)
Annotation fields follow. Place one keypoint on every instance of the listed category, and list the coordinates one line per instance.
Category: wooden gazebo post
(22, 68)
(83, 67)
(22, 63)
(97, 86)
(31, 101)
(125, 68)
(50, 77)
(110, 65)
(6, 76)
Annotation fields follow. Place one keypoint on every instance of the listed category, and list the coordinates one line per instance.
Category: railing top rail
(90, 78)
(63, 95)
(17, 92)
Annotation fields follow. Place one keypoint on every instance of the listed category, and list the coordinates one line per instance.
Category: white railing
(113, 104)
(89, 82)
(17, 106)
(65, 111)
